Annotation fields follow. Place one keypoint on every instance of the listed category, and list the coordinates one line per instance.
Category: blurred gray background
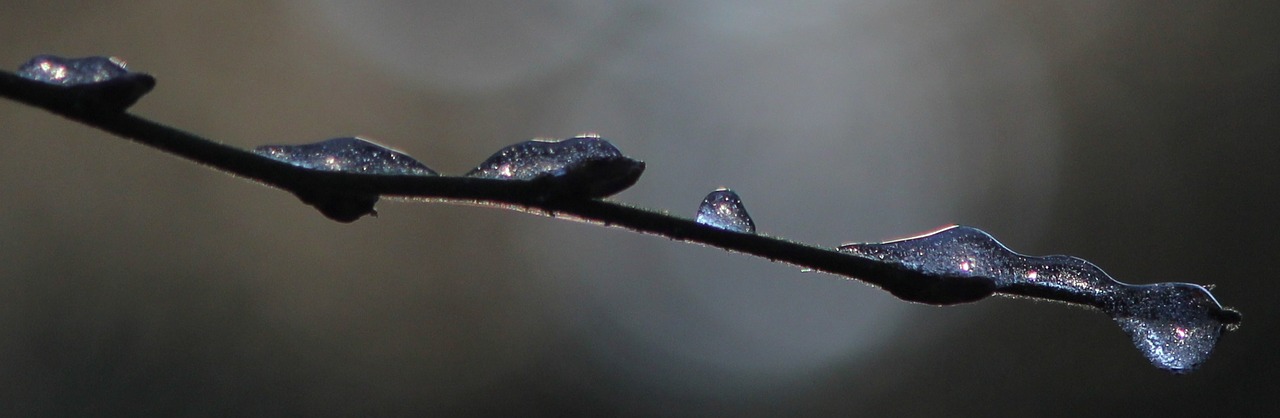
(1140, 136)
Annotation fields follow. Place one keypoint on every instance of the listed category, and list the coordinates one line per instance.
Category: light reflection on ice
(350, 155)
(1176, 325)
(583, 166)
(723, 209)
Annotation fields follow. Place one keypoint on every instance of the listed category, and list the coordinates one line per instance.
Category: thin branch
(520, 195)
(1162, 319)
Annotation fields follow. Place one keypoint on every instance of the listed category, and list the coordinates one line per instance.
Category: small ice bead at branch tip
(723, 209)
(1176, 325)
(349, 155)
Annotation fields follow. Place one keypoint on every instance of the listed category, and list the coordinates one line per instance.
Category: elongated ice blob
(723, 209)
(1176, 325)
(584, 166)
(98, 82)
(72, 71)
(348, 155)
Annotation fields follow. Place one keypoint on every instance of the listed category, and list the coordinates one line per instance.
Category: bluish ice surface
(1176, 325)
(72, 71)
(723, 209)
(350, 155)
(585, 165)
(93, 83)
(541, 157)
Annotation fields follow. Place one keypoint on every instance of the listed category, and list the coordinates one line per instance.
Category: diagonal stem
(518, 195)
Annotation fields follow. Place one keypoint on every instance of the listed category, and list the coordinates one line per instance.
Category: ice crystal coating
(1176, 325)
(72, 71)
(723, 209)
(100, 82)
(583, 166)
(349, 155)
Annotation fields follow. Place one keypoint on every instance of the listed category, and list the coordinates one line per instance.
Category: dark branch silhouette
(345, 196)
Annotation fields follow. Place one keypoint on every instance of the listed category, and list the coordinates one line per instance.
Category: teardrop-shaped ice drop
(339, 206)
(1176, 325)
(723, 209)
(583, 166)
(101, 82)
(349, 155)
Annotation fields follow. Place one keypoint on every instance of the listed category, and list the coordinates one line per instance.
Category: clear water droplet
(348, 155)
(102, 82)
(1176, 325)
(583, 166)
(723, 209)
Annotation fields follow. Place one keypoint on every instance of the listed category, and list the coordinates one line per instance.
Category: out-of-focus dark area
(1141, 137)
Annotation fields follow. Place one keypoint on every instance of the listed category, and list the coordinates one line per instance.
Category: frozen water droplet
(72, 71)
(1176, 325)
(349, 155)
(583, 166)
(541, 157)
(341, 207)
(98, 82)
(723, 209)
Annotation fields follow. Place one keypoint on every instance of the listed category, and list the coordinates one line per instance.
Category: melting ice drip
(1176, 325)
(348, 155)
(583, 166)
(104, 80)
(723, 209)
